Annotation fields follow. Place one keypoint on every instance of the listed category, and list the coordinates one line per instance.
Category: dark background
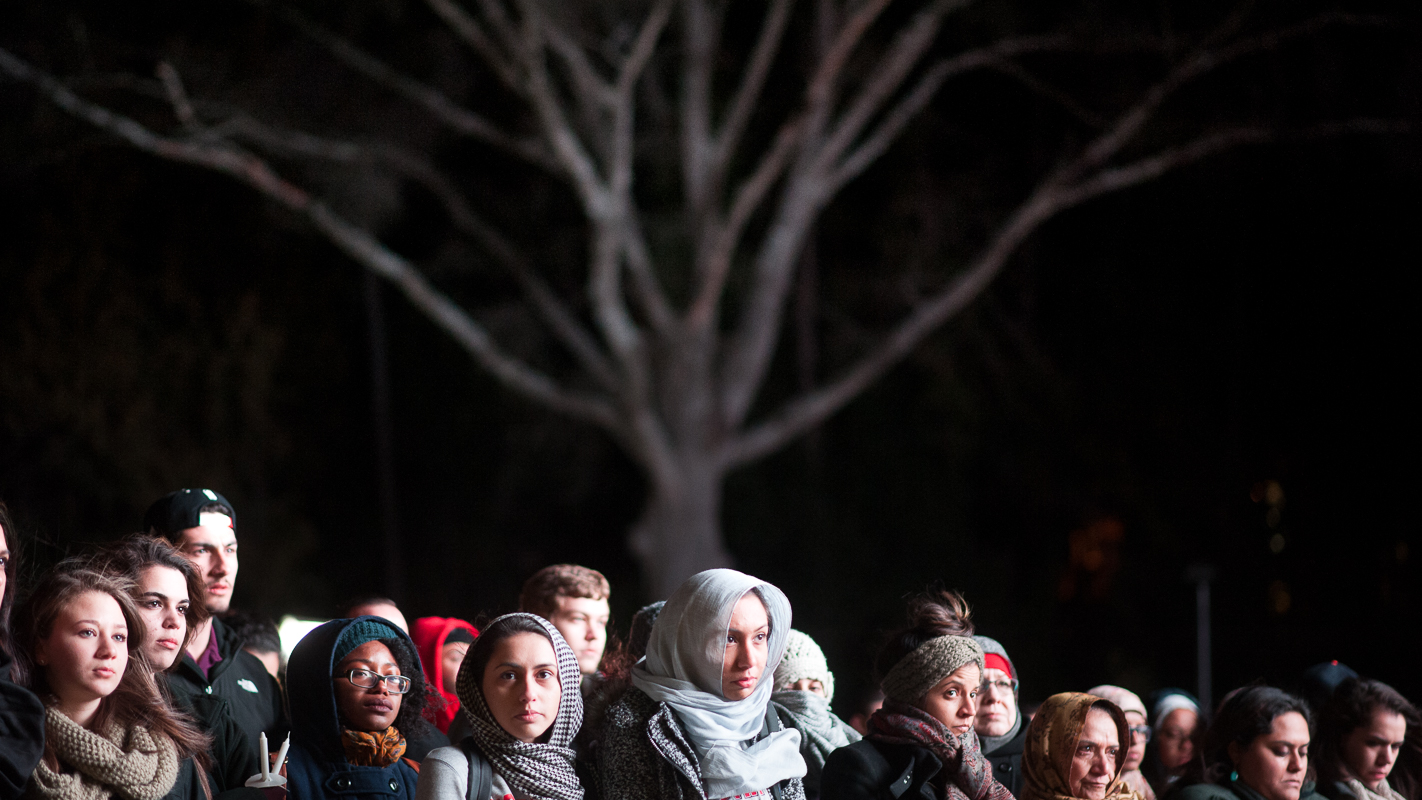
(1208, 369)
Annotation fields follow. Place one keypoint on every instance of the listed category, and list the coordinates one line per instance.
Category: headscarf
(1127, 700)
(430, 635)
(823, 731)
(541, 770)
(1051, 743)
(682, 668)
(994, 647)
(966, 774)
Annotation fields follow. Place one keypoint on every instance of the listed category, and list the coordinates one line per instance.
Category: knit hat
(991, 647)
(921, 670)
(641, 632)
(803, 660)
(1126, 699)
(364, 629)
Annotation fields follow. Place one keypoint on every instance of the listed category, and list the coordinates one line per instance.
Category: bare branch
(436, 102)
(743, 102)
(177, 95)
(369, 252)
(469, 29)
(701, 32)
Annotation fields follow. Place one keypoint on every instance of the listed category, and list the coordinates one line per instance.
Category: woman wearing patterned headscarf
(1132, 755)
(921, 744)
(697, 722)
(804, 687)
(1074, 750)
(519, 691)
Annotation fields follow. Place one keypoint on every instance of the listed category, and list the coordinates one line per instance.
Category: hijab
(991, 646)
(431, 634)
(1127, 700)
(541, 770)
(682, 668)
(1051, 743)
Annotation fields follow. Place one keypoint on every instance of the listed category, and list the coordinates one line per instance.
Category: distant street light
(1201, 575)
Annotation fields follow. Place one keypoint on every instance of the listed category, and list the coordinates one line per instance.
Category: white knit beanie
(803, 660)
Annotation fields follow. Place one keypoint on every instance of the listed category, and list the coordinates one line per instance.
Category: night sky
(1208, 369)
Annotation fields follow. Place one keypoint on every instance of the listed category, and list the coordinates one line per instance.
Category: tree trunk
(679, 533)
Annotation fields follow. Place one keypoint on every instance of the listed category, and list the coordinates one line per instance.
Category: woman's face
(86, 651)
(451, 658)
(1175, 738)
(809, 685)
(1093, 764)
(521, 685)
(163, 605)
(954, 700)
(747, 648)
(997, 705)
(1274, 764)
(4, 563)
(1135, 754)
(1370, 750)
(371, 708)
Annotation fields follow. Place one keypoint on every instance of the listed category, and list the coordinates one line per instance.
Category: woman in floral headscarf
(1074, 750)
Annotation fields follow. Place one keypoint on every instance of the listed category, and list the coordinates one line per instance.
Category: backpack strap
(772, 725)
(481, 775)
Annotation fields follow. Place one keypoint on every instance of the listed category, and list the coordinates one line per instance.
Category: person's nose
(219, 565)
(591, 634)
(969, 708)
(1386, 757)
(172, 619)
(526, 693)
(1297, 761)
(106, 649)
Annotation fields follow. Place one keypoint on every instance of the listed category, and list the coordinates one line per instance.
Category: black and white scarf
(538, 769)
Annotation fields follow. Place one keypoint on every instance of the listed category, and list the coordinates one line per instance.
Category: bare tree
(673, 376)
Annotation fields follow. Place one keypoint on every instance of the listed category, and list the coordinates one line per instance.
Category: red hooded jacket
(429, 634)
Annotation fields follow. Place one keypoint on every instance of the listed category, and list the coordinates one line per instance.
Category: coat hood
(315, 724)
(430, 635)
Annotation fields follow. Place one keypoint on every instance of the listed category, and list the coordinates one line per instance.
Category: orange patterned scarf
(373, 749)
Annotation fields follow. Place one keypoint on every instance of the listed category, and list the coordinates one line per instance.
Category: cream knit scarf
(127, 761)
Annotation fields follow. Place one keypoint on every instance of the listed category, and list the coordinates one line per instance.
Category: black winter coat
(234, 760)
(868, 770)
(21, 733)
(1006, 761)
(253, 695)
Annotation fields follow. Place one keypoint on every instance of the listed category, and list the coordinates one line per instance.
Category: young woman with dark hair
(697, 722)
(357, 694)
(108, 730)
(1257, 748)
(169, 595)
(21, 713)
(922, 743)
(1368, 744)
(519, 692)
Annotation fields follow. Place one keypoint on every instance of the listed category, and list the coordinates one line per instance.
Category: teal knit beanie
(363, 630)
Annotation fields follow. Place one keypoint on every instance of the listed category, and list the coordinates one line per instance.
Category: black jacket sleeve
(856, 772)
(21, 733)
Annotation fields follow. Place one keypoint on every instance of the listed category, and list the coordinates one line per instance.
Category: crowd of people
(124, 672)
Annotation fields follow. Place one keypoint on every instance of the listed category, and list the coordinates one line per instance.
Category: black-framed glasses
(1002, 686)
(365, 679)
(1142, 731)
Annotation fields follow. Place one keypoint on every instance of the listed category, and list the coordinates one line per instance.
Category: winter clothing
(683, 668)
(21, 732)
(542, 770)
(821, 732)
(641, 630)
(1353, 789)
(1235, 790)
(921, 670)
(1005, 751)
(804, 660)
(318, 766)
(123, 760)
(646, 754)
(253, 695)
(430, 635)
(1051, 743)
(1127, 700)
(234, 760)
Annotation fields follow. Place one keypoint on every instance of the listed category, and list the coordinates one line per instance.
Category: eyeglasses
(1005, 687)
(365, 679)
(1142, 731)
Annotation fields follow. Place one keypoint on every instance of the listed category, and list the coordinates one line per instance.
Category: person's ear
(1233, 751)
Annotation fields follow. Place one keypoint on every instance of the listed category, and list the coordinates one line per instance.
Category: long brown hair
(130, 556)
(137, 700)
(1352, 705)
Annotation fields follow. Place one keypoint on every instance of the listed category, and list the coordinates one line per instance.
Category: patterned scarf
(532, 769)
(1051, 744)
(373, 749)
(127, 761)
(966, 775)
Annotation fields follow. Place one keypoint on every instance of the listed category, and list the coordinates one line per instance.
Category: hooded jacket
(252, 694)
(430, 634)
(317, 766)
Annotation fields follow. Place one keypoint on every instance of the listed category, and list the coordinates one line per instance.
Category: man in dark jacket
(999, 724)
(201, 524)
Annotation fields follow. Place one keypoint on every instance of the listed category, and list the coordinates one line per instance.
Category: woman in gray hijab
(804, 687)
(697, 723)
(999, 724)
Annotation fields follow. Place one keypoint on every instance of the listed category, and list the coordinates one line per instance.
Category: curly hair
(410, 720)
